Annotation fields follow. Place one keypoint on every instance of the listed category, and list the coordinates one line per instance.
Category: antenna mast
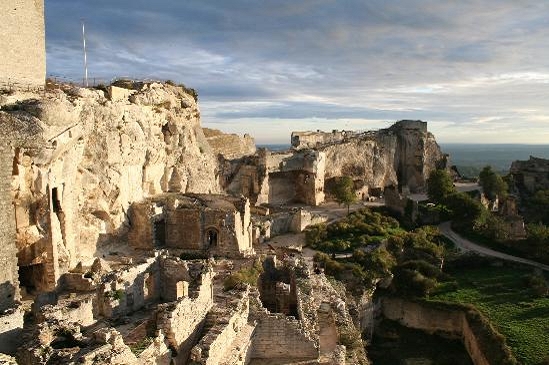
(85, 56)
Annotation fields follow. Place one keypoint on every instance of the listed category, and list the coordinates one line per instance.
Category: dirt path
(466, 245)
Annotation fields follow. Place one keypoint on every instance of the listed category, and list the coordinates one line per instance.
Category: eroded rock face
(100, 156)
(403, 154)
(530, 175)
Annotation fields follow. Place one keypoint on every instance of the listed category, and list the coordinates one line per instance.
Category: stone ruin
(403, 155)
(102, 193)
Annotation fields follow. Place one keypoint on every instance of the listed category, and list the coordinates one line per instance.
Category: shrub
(246, 275)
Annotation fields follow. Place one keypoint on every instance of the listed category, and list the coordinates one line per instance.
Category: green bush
(246, 275)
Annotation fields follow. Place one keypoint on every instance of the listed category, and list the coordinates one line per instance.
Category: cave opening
(211, 237)
(56, 203)
(29, 276)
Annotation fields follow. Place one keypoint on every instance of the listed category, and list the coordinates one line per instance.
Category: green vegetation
(512, 297)
(492, 184)
(116, 294)
(374, 246)
(246, 275)
(439, 186)
(344, 191)
(138, 347)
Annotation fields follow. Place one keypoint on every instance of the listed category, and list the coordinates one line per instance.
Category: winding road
(466, 245)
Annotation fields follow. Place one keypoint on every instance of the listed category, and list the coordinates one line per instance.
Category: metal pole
(85, 56)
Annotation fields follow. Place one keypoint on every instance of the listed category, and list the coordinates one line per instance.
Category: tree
(344, 191)
(466, 211)
(492, 184)
(439, 186)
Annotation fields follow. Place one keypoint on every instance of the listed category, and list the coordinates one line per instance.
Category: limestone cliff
(403, 155)
(530, 176)
(103, 152)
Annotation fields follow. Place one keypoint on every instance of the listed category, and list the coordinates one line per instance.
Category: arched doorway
(211, 237)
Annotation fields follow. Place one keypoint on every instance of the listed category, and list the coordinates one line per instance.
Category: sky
(476, 71)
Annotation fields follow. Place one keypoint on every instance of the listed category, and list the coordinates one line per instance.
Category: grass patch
(510, 299)
(138, 347)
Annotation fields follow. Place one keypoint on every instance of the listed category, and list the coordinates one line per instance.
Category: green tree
(492, 184)
(439, 186)
(344, 191)
(466, 211)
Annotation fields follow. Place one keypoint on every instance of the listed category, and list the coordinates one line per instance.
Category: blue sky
(477, 71)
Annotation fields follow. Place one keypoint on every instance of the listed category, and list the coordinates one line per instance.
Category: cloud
(295, 64)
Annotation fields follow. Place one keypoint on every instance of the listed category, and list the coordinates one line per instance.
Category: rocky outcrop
(531, 175)
(100, 155)
(402, 155)
(230, 146)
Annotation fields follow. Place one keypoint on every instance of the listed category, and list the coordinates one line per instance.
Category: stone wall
(230, 146)
(214, 224)
(182, 321)
(230, 323)
(78, 310)
(484, 346)
(130, 289)
(22, 44)
(279, 337)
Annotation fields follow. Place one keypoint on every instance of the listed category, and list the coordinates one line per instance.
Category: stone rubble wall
(280, 337)
(78, 310)
(218, 341)
(130, 289)
(183, 320)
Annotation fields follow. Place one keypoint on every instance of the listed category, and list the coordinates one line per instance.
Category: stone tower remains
(22, 44)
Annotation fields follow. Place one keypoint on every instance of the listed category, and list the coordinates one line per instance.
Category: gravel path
(466, 245)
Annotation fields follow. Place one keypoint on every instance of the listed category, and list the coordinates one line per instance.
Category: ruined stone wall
(314, 139)
(80, 310)
(230, 146)
(22, 44)
(182, 321)
(277, 336)
(184, 229)
(217, 343)
(130, 289)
